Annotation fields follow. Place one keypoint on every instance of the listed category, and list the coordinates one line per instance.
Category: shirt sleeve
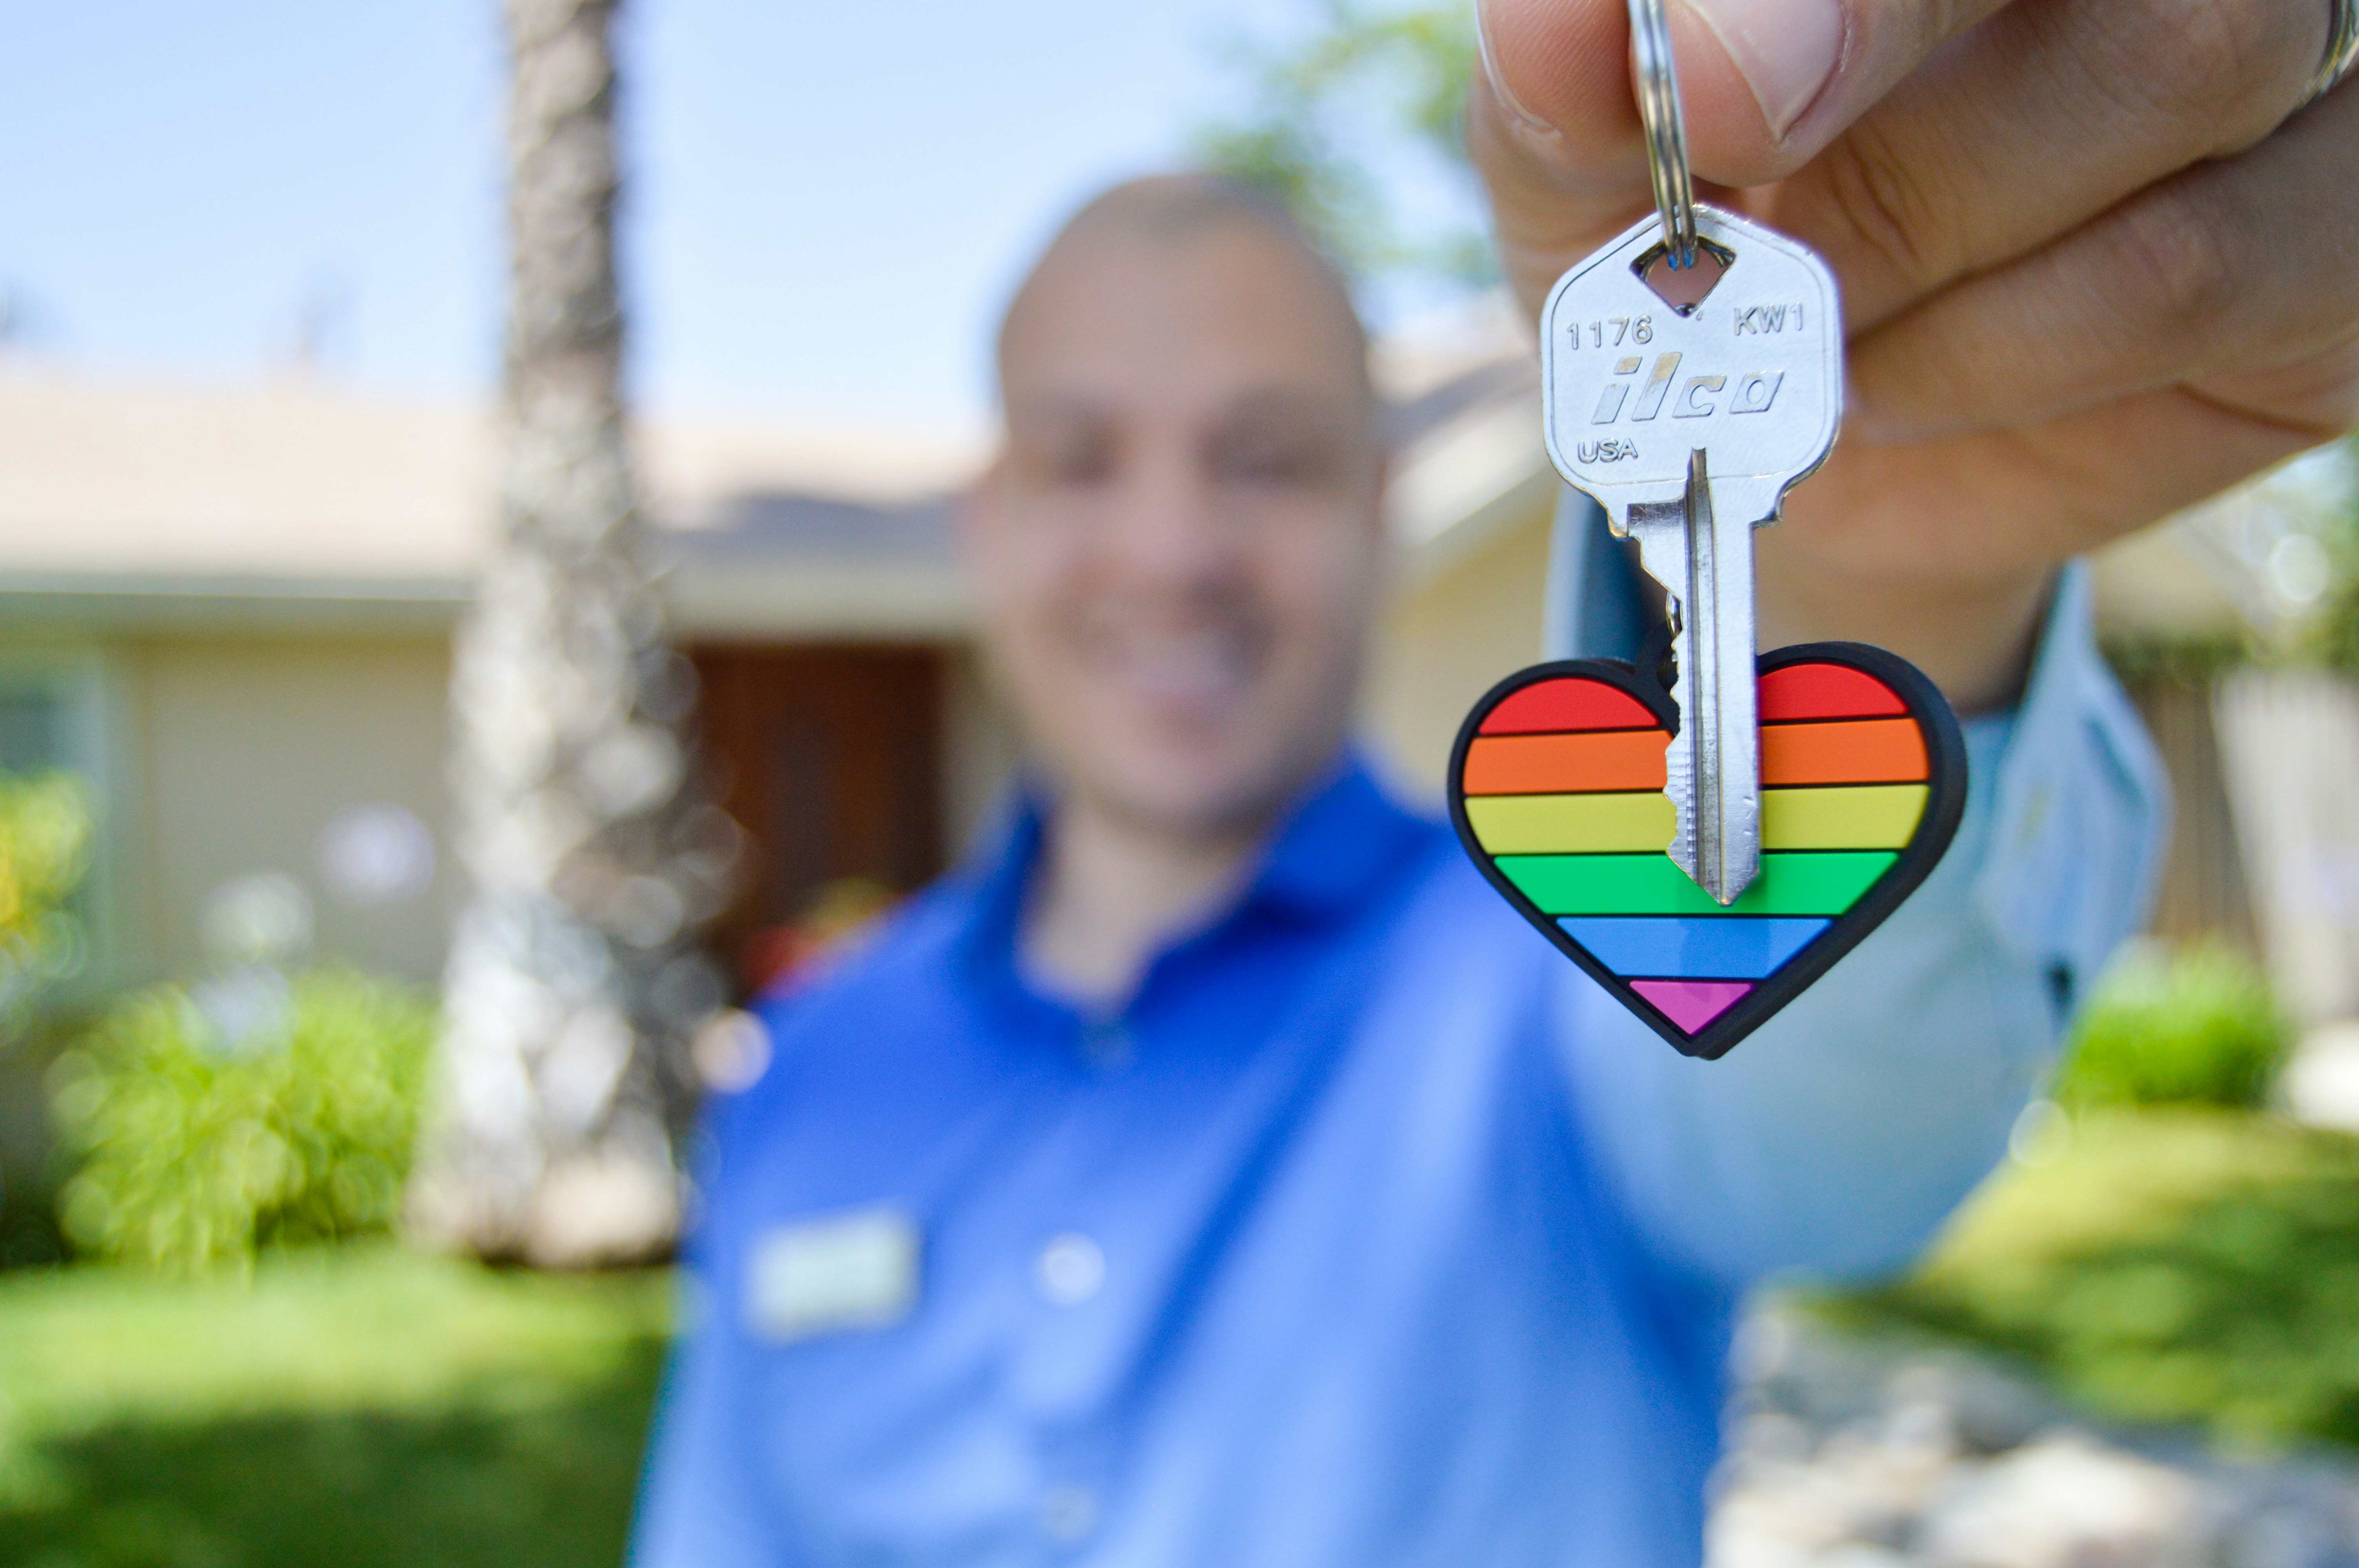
(1836, 1137)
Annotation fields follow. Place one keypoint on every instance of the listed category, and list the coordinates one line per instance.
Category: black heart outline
(1945, 806)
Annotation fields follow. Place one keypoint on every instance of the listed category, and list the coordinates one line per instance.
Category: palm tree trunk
(574, 979)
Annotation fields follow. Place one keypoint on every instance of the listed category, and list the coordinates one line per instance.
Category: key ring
(1667, 134)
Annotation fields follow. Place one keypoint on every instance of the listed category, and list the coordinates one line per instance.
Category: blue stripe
(1699, 947)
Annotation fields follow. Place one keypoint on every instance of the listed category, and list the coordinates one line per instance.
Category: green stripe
(1654, 884)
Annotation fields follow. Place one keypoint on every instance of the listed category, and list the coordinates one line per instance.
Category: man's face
(1180, 546)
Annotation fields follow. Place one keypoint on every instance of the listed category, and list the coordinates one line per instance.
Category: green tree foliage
(1338, 123)
(2194, 1028)
(200, 1147)
(45, 840)
(2339, 621)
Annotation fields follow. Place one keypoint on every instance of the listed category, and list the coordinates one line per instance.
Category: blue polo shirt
(1369, 1231)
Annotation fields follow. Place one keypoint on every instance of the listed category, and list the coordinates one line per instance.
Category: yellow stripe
(1858, 816)
(1572, 824)
(1862, 817)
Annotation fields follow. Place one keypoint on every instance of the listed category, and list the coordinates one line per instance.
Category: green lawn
(2166, 1265)
(356, 1407)
(369, 1406)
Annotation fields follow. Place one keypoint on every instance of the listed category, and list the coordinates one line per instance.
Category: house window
(31, 724)
(54, 711)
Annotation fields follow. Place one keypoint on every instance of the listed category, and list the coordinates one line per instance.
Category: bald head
(1168, 215)
(1180, 546)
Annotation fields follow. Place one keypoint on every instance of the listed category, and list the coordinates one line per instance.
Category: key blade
(1724, 837)
(1702, 555)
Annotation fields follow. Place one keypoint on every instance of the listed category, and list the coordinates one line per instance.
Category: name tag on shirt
(852, 1269)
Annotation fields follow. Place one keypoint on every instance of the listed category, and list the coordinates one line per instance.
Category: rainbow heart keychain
(1708, 851)
(1555, 787)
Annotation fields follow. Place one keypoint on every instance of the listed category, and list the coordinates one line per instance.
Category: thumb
(1765, 84)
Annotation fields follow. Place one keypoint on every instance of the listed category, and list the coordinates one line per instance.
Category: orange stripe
(1554, 764)
(1875, 751)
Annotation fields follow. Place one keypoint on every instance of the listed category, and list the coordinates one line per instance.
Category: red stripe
(1826, 691)
(1568, 702)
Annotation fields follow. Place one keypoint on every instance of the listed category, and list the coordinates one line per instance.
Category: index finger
(1765, 84)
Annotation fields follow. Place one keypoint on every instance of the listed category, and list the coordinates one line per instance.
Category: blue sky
(828, 201)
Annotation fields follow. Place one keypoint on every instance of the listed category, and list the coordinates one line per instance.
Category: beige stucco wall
(245, 749)
(1443, 643)
(228, 755)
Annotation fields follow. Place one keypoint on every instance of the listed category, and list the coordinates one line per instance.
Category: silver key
(1686, 401)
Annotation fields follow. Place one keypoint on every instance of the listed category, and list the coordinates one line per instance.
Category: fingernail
(1786, 49)
(1508, 100)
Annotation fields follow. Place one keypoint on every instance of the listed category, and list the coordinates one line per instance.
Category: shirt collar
(1342, 837)
(1328, 852)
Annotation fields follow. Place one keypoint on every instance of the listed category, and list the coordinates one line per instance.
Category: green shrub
(45, 839)
(212, 1126)
(2197, 1027)
(2334, 628)
(2165, 1264)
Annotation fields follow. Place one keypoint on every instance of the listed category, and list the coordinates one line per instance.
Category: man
(1215, 1172)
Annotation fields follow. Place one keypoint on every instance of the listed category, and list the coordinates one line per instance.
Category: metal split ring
(1666, 131)
(2341, 48)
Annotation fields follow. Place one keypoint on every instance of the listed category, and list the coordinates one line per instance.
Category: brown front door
(830, 759)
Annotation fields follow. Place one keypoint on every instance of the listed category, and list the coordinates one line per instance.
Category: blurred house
(2262, 752)
(230, 608)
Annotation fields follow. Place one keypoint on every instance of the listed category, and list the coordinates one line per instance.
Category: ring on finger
(2342, 49)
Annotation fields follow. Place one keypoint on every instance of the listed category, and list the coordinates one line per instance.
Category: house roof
(293, 499)
(296, 501)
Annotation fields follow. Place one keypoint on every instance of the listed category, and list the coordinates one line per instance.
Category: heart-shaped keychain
(1555, 788)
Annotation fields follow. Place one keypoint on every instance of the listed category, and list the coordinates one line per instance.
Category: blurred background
(272, 1288)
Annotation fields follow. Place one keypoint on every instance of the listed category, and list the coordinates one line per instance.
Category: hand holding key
(2095, 265)
(1699, 457)
(1546, 779)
